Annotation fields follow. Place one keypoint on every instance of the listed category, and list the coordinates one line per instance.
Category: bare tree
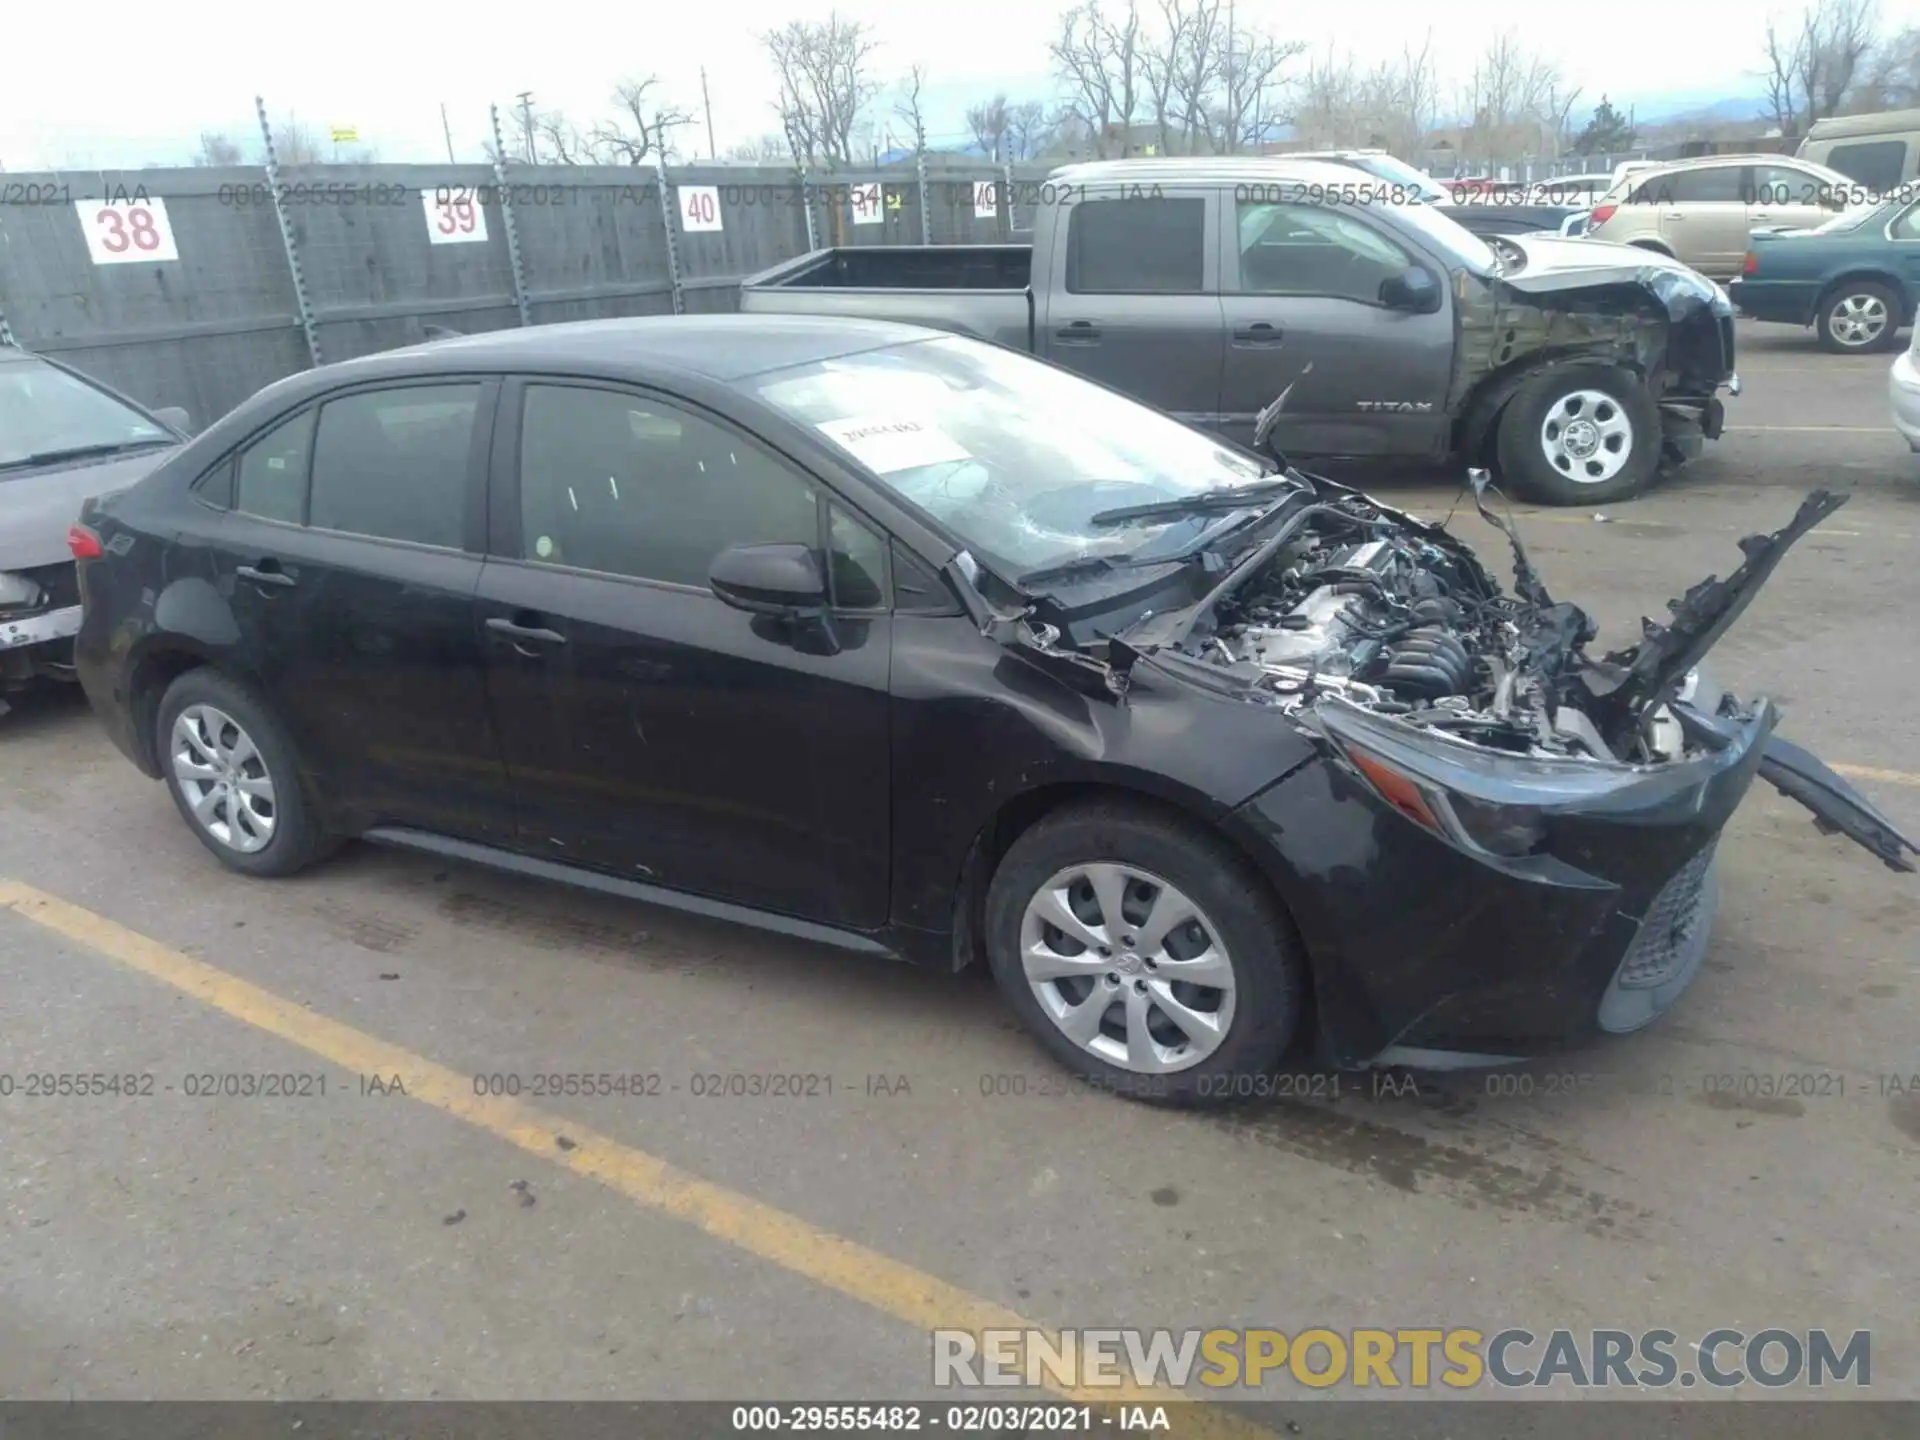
(1516, 102)
(1196, 57)
(558, 141)
(765, 149)
(217, 148)
(1098, 58)
(296, 144)
(640, 126)
(824, 86)
(1814, 63)
(909, 107)
(1027, 129)
(1893, 80)
(988, 123)
(1251, 82)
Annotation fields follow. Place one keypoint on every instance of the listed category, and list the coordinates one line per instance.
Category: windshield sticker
(888, 445)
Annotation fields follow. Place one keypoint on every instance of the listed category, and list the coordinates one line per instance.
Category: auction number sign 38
(127, 230)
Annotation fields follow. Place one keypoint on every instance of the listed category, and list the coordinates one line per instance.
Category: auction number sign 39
(127, 230)
(455, 215)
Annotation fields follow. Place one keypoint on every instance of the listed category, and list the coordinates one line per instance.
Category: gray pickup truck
(1206, 287)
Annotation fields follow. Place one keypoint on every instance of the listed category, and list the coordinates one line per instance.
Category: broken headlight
(1491, 827)
(17, 592)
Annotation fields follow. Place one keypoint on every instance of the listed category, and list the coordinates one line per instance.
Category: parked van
(1880, 151)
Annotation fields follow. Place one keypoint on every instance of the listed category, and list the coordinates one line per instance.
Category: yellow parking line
(840, 1264)
(1868, 772)
(1810, 430)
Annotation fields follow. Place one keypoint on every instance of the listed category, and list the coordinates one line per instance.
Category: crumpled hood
(37, 508)
(1563, 262)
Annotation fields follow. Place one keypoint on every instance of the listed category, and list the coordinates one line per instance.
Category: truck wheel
(1580, 435)
(1858, 317)
(1144, 954)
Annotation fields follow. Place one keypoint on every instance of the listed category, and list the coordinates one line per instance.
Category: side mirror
(1412, 289)
(768, 579)
(176, 417)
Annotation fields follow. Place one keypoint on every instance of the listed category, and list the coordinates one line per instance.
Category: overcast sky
(113, 83)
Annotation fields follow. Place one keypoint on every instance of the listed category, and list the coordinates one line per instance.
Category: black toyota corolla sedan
(910, 644)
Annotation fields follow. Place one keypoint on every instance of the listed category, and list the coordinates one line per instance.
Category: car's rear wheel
(1859, 317)
(230, 768)
(1144, 954)
(1580, 435)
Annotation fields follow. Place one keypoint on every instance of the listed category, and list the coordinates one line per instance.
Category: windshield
(44, 411)
(1401, 173)
(1450, 237)
(1014, 456)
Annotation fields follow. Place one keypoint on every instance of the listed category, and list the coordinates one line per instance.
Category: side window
(1143, 246)
(1783, 185)
(394, 463)
(918, 587)
(631, 486)
(857, 563)
(1709, 184)
(1906, 225)
(272, 479)
(1314, 250)
(1876, 164)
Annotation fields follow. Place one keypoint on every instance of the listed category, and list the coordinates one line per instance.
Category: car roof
(720, 347)
(14, 355)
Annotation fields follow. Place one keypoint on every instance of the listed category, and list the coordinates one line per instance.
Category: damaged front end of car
(1510, 840)
(1558, 302)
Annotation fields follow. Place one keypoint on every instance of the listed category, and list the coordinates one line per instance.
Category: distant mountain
(1664, 109)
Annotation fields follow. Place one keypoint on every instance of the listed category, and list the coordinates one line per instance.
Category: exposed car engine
(1401, 618)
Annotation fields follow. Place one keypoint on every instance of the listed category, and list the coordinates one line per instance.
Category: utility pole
(713, 152)
(525, 97)
(446, 130)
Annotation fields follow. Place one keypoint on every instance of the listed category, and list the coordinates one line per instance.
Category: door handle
(1671, 215)
(1080, 332)
(525, 636)
(1259, 332)
(267, 572)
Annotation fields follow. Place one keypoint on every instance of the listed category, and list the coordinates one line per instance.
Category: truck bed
(979, 290)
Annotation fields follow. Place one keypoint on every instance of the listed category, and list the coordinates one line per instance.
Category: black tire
(297, 839)
(1524, 465)
(1262, 947)
(1858, 292)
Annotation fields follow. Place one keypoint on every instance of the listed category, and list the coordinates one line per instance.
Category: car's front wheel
(1144, 954)
(1580, 435)
(1859, 317)
(230, 769)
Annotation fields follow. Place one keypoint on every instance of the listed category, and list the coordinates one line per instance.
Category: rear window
(1876, 164)
(393, 464)
(1142, 246)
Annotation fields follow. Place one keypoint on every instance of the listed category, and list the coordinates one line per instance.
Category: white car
(1903, 388)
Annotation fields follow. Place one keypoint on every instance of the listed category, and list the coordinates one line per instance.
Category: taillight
(84, 544)
(1601, 214)
(1751, 265)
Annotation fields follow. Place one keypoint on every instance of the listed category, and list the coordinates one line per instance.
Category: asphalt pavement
(389, 1227)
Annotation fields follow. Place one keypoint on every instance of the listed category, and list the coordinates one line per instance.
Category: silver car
(1903, 388)
(1703, 211)
(63, 439)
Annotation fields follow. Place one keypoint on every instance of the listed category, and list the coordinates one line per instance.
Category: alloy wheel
(1127, 967)
(1858, 320)
(1587, 436)
(223, 778)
